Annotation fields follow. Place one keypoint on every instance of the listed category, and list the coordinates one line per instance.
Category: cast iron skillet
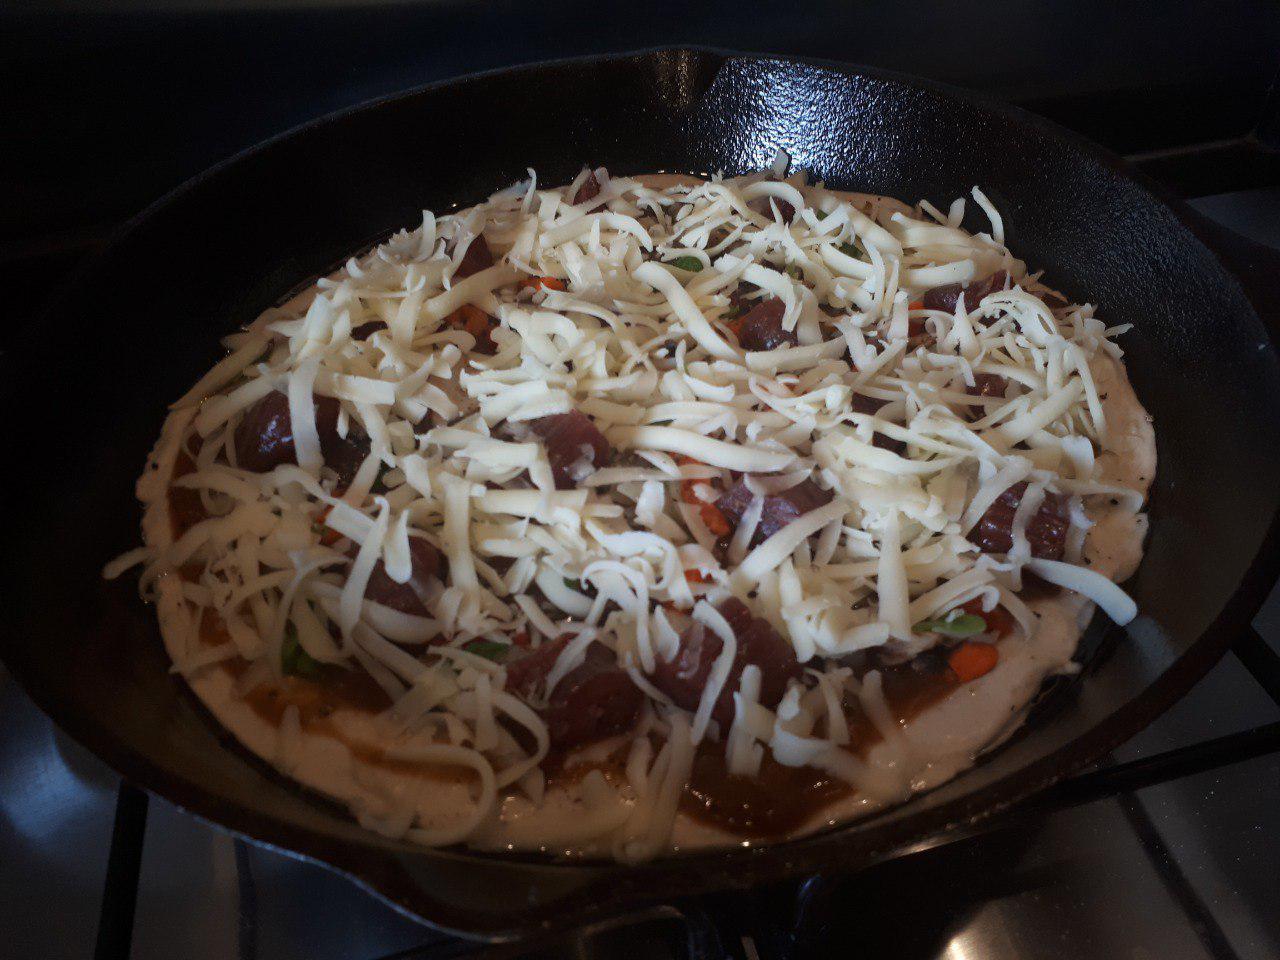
(143, 322)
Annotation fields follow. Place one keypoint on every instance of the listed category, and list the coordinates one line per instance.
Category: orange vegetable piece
(972, 660)
(696, 576)
(711, 515)
(328, 536)
(688, 487)
(915, 305)
(546, 283)
(476, 322)
(470, 318)
(715, 520)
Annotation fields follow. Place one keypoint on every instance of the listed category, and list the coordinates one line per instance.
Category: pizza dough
(943, 454)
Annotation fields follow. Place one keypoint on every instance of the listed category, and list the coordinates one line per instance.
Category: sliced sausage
(367, 330)
(684, 677)
(779, 508)
(988, 385)
(589, 189)
(478, 257)
(343, 455)
(575, 446)
(764, 208)
(871, 406)
(426, 563)
(861, 403)
(944, 298)
(761, 327)
(264, 437)
(592, 701)
(1046, 532)
(186, 509)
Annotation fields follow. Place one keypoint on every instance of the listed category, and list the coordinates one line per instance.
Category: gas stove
(1166, 850)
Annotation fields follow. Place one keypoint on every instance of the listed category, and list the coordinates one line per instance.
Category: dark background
(104, 107)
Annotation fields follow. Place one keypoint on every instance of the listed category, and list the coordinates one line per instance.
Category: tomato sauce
(186, 509)
(317, 701)
(782, 799)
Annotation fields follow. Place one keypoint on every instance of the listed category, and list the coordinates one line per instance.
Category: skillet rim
(805, 855)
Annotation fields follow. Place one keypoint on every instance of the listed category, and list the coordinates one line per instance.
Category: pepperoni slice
(594, 700)
(1046, 532)
(779, 508)
(684, 677)
(575, 446)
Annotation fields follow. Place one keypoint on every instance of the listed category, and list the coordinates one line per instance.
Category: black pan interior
(144, 322)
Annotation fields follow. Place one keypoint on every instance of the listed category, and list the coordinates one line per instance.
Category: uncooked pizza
(647, 513)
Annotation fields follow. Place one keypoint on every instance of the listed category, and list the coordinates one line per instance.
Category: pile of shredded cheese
(644, 348)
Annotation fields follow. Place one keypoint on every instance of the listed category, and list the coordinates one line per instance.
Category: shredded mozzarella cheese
(627, 310)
